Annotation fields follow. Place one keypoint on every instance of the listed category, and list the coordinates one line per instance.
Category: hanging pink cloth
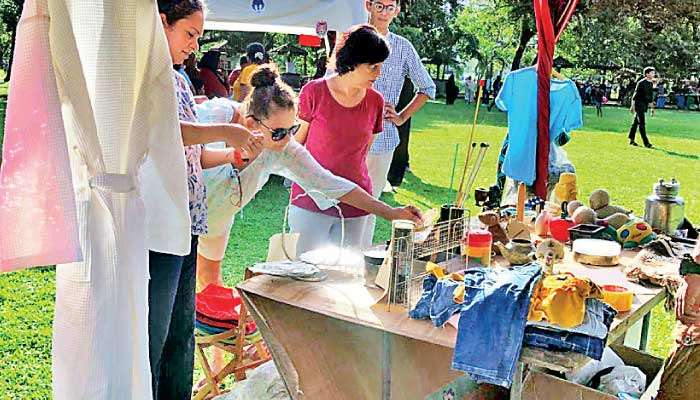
(38, 224)
(548, 33)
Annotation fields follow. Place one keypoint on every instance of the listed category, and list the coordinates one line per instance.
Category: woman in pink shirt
(340, 116)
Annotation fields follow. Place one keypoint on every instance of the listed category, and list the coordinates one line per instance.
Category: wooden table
(331, 340)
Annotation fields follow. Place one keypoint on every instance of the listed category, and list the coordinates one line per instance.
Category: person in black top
(451, 90)
(400, 161)
(642, 97)
(497, 84)
(597, 93)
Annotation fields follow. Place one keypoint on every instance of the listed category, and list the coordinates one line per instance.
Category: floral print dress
(193, 154)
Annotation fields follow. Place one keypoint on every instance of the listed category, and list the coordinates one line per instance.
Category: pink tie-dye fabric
(38, 224)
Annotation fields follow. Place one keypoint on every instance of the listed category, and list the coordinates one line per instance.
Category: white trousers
(378, 167)
(318, 230)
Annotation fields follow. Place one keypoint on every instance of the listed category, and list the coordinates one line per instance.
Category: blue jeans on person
(680, 101)
(171, 317)
(492, 320)
(661, 102)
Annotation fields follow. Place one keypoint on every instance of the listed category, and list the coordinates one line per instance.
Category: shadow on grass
(420, 193)
(677, 154)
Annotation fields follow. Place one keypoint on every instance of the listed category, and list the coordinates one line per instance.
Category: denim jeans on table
(437, 300)
(596, 323)
(492, 321)
(422, 309)
(565, 341)
(562, 340)
(171, 317)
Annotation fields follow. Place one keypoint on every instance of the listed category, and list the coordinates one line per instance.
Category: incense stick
(460, 193)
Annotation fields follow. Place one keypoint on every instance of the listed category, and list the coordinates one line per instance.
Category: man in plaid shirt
(403, 62)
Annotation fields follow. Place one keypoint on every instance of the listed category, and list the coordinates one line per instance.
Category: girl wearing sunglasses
(271, 109)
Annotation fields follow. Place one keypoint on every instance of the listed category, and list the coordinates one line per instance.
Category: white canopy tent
(283, 16)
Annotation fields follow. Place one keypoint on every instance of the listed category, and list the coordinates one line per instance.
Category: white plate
(597, 247)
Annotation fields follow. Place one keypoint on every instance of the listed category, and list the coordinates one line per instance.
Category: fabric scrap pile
(657, 264)
(503, 308)
(566, 314)
(494, 305)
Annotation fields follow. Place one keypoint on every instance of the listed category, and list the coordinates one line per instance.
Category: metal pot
(664, 209)
(374, 257)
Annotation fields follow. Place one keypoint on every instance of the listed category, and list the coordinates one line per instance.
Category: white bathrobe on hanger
(92, 98)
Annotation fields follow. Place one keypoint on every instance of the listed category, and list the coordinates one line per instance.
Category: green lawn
(600, 152)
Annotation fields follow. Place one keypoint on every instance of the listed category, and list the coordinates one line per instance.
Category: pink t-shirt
(339, 138)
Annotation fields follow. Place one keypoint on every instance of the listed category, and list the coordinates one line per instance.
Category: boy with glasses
(403, 62)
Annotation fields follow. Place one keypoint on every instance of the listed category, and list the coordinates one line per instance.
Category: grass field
(599, 151)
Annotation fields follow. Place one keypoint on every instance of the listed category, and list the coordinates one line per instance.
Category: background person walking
(642, 97)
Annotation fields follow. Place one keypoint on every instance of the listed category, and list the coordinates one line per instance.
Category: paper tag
(322, 28)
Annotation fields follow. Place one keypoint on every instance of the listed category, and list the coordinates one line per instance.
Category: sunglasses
(279, 133)
(379, 7)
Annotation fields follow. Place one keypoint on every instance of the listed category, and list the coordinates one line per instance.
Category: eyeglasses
(237, 190)
(380, 7)
(279, 133)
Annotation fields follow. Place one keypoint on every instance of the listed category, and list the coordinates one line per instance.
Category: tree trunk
(526, 33)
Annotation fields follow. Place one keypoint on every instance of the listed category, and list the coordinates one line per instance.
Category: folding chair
(234, 340)
(248, 352)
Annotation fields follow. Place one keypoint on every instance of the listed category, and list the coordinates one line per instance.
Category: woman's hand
(255, 149)
(240, 137)
(410, 213)
(696, 253)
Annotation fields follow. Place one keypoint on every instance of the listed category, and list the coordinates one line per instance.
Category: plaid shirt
(403, 61)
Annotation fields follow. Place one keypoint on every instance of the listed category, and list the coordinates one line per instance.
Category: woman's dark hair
(256, 53)
(362, 44)
(210, 60)
(268, 90)
(175, 10)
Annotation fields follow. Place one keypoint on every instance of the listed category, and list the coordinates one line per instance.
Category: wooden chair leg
(262, 351)
(240, 338)
(212, 385)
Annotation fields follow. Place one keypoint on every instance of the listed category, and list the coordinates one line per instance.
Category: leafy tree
(624, 33)
(503, 30)
(10, 11)
(433, 29)
(634, 34)
(497, 37)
